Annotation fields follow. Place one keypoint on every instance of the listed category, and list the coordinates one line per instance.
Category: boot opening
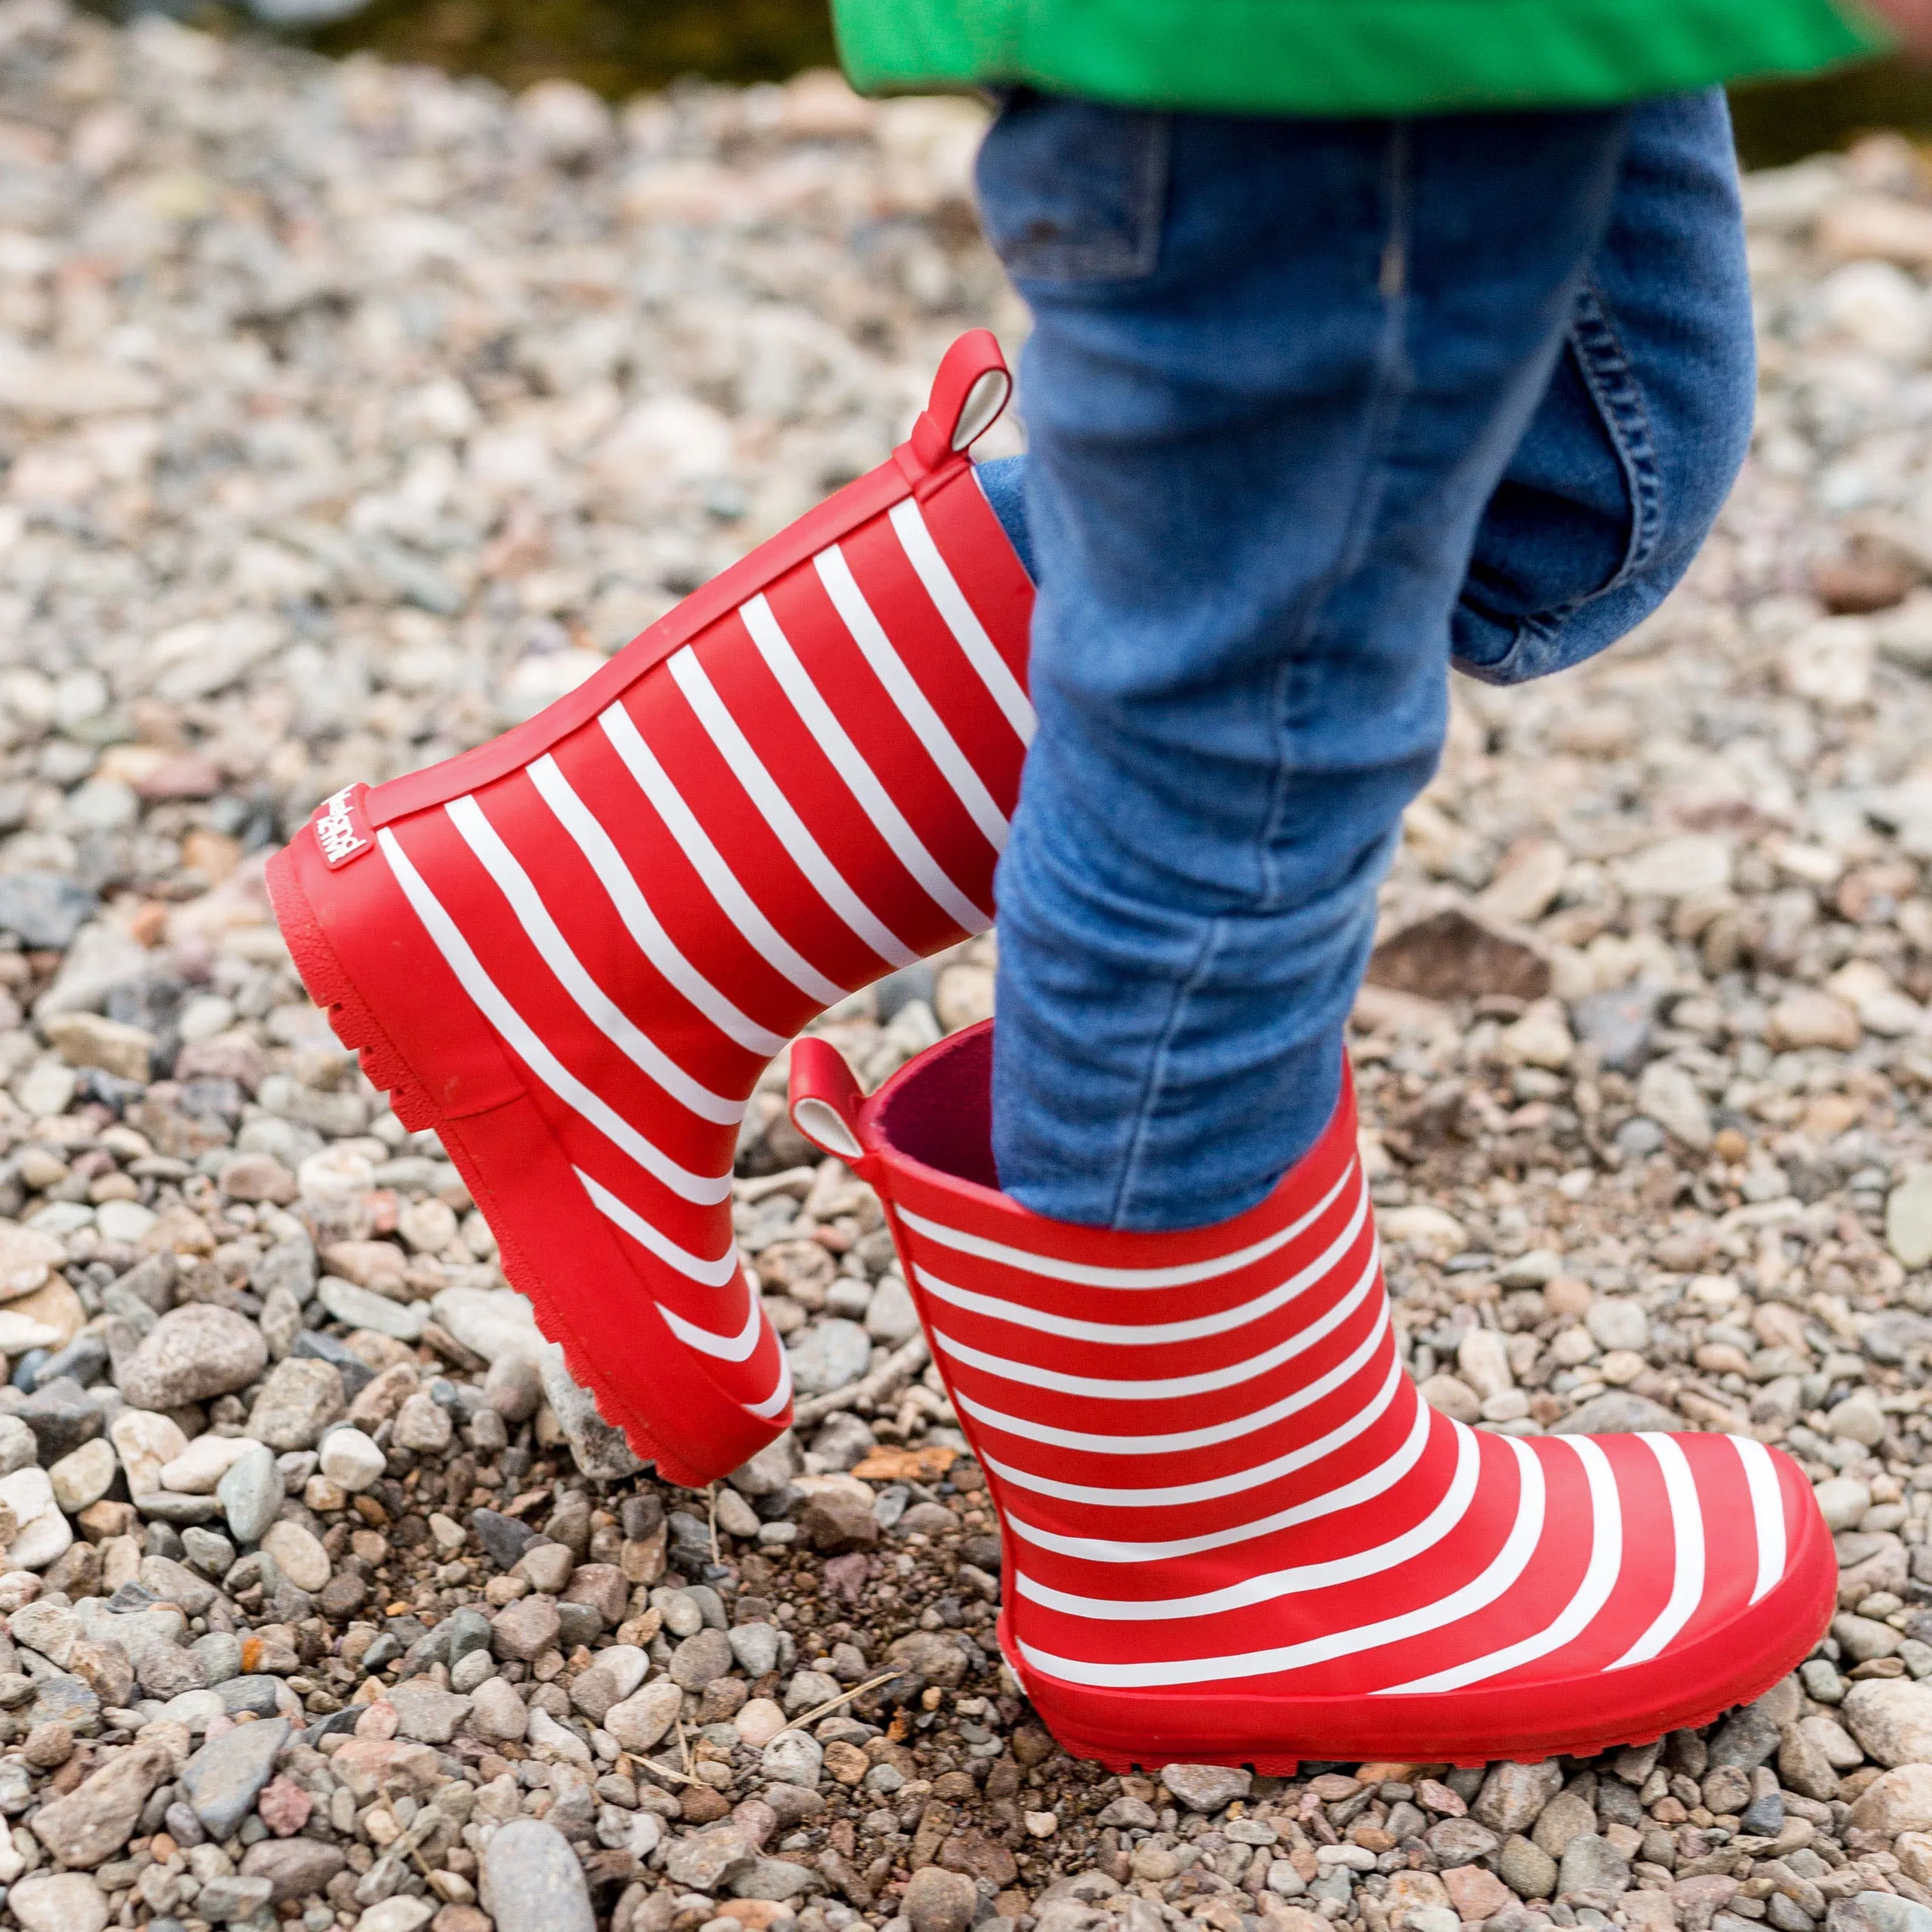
(940, 1112)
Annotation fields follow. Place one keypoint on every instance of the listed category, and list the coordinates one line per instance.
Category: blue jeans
(1315, 410)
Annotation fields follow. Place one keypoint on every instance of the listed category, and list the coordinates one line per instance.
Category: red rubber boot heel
(573, 951)
(460, 1083)
(1235, 1534)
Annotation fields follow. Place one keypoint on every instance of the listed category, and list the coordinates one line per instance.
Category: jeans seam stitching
(1156, 1067)
(1608, 373)
(1391, 387)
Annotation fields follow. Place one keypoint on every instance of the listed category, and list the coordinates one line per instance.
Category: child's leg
(1640, 434)
(1633, 450)
(1003, 482)
(1277, 371)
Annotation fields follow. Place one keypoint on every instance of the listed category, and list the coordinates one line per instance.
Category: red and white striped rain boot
(573, 951)
(1234, 1534)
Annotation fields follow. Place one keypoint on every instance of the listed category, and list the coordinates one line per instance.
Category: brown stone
(1413, 1891)
(1031, 1743)
(1450, 955)
(380, 1400)
(603, 1587)
(1475, 1894)
(295, 1868)
(755, 1914)
(257, 1177)
(93, 1821)
(105, 1668)
(379, 1265)
(76, 1572)
(642, 1559)
(836, 1519)
(978, 1856)
(525, 1629)
(367, 1764)
(938, 1900)
(927, 1463)
(699, 1804)
(840, 1870)
(100, 1521)
(1807, 1017)
(1855, 586)
(801, 1267)
(1279, 1918)
(342, 1595)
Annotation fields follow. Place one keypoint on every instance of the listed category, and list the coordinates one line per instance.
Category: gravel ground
(348, 414)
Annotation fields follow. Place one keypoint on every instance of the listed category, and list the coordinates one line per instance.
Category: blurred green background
(619, 47)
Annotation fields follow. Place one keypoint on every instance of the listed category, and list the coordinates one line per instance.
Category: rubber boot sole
(1140, 1731)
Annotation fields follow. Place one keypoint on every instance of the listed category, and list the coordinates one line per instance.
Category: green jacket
(1342, 56)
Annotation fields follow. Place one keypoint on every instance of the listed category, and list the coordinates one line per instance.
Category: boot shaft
(1234, 1534)
(574, 951)
(961, 558)
(811, 761)
(1138, 1398)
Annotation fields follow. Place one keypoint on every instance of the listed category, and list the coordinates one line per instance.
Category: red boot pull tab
(825, 1101)
(968, 394)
